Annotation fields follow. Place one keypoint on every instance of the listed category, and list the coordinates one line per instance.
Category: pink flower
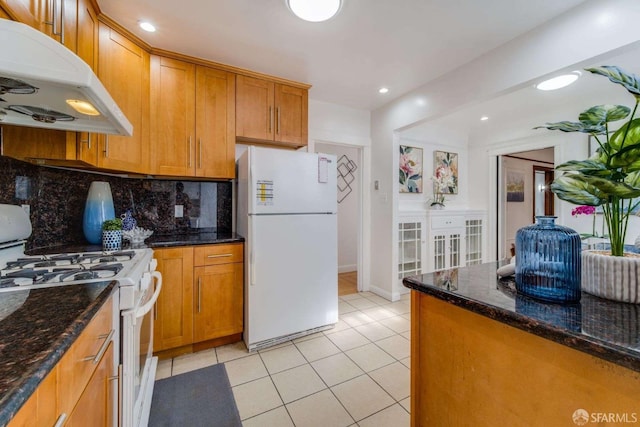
(583, 210)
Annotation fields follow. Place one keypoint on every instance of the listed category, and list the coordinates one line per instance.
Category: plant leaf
(617, 75)
(587, 167)
(566, 126)
(633, 179)
(609, 187)
(601, 114)
(571, 188)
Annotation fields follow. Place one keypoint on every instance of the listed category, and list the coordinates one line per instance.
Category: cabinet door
(173, 116)
(291, 121)
(255, 112)
(173, 325)
(27, 143)
(41, 408)
(123, 68)
(87, 33)
(218, 301)
(95, 406)
(215, 123)
(30, 12)
(474, 241)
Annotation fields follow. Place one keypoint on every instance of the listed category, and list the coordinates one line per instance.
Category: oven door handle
(142, 311)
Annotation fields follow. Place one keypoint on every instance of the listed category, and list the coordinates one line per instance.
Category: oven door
(138, 363)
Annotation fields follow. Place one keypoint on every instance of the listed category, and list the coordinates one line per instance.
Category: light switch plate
(179, 212)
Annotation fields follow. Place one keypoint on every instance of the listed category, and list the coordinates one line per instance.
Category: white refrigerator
(287, 213)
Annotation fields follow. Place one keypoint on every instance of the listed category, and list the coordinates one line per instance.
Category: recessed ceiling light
(484, 118)
(147, 26)
(383, 90)
(559, 81)
(314, 10)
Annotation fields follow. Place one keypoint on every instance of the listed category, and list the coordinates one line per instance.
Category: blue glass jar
(548, 264)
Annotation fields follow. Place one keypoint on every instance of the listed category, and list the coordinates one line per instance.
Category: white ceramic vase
(611, 277)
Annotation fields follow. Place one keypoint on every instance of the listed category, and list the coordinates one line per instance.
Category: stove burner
(15, 86)
(7, 283)
(41, 115)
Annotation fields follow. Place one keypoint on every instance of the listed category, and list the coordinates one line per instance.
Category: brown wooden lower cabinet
(471, 370)
(202, 296)
(77, 389)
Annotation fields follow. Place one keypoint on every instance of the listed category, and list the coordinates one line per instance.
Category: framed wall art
(410, 171)
(515, 186)
(445, 172)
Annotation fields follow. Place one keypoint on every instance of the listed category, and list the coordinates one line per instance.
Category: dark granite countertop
(201, 237)
(602, 328)
(205, 236)
(38, 326)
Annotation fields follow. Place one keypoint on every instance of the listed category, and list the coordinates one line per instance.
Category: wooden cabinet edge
(267, 142)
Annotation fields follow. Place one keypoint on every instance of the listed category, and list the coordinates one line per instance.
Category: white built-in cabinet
(439, 240)
(411, 246)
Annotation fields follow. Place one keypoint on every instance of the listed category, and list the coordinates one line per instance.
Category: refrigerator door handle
(252, 266)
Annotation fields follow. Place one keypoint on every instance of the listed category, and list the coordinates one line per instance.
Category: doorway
(524, 189)
(349, 167)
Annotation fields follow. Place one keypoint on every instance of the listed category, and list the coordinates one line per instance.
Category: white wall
(348, 129)
(349, 206)
(575, 38)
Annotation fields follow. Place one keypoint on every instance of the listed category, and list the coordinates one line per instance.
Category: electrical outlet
(179, 212)
(27, 209)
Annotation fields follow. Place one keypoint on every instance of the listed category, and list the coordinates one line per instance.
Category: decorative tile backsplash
(57, 197)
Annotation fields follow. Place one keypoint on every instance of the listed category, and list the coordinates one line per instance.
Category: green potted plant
(609, 179)
(112, 234)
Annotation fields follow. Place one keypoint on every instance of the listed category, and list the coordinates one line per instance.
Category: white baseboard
(347, 268)
(383, 293)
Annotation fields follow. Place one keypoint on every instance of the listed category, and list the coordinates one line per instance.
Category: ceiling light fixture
(484, 118)
(147, 26)
(383, 90)
(314, 10)
(559, 81)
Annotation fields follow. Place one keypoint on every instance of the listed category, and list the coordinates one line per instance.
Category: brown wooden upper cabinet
(192, 120)
(56, 18)
(271, 112)
(123, 68)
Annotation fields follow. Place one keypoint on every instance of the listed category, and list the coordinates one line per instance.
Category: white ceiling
(513, 116)
(401, 44)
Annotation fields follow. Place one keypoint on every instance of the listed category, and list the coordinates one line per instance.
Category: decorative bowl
(136, 234)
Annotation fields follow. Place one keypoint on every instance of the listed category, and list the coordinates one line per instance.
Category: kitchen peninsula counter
(38, 326)
(481, 353)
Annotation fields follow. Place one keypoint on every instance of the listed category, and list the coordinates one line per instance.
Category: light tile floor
(356, 374)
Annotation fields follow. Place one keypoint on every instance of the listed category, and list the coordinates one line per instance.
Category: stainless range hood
(43, 84)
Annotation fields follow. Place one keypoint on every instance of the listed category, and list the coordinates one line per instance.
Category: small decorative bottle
(548, 260)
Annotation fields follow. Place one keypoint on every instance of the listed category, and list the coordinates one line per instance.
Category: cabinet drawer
(447, 222)
(217, 254)
(79, 363)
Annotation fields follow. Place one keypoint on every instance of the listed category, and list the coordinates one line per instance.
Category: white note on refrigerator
(323, 169)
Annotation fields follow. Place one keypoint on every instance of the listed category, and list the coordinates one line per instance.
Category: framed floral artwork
(445, 173)
(410, 169)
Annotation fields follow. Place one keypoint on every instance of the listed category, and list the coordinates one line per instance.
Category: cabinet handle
(87, 141)
(219, 256)
(62, 21)
(103, 348)
(278, 123)
(270, 119)
(189, 153)
(61, 420)
(106, 145)
(200, 153)
(199, 287)
(117, 377)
